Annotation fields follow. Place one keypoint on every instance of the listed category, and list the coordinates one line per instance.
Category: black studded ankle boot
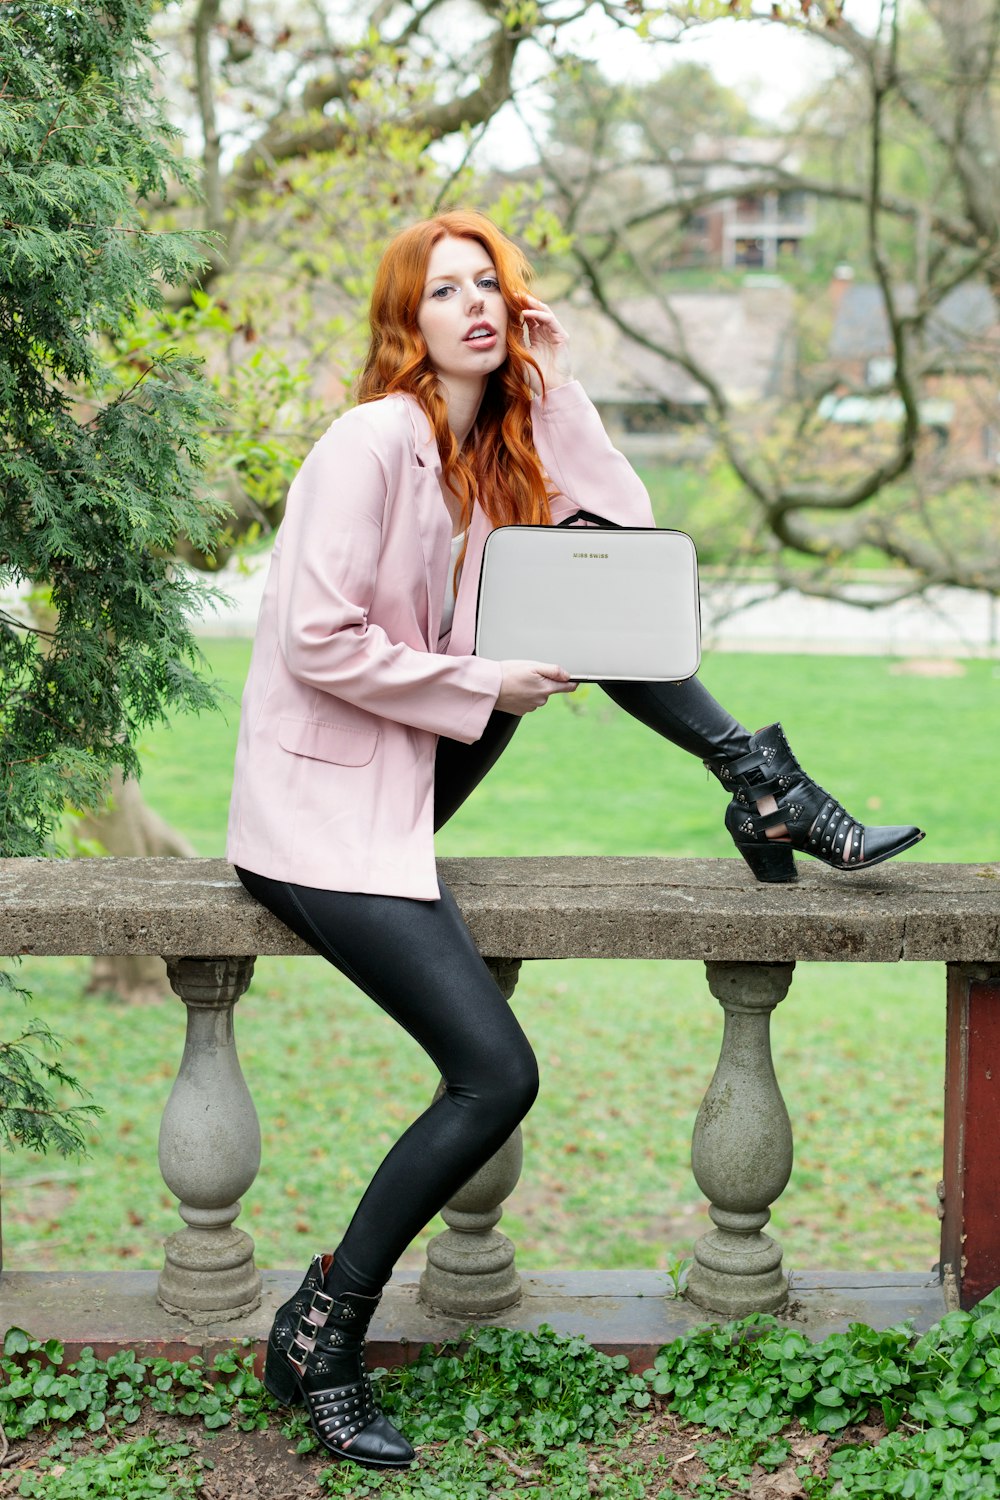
(315, 1356)
(816, 823)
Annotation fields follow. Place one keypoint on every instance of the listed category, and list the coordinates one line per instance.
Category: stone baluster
(741, 1153)
(470, 1266)
(209, 1149)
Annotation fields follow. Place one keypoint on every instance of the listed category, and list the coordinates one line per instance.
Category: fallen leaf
(785, 1484)
(805, 1447)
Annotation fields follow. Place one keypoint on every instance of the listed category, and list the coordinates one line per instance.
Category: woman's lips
(481, 337)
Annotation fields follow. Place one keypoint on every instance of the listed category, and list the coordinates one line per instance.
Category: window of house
(880, 370)
(792, 205)
(749, 252)
(750, 207)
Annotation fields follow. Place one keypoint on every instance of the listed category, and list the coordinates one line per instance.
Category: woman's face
(463, 316)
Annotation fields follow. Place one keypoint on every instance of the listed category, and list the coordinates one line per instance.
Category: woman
(367, 721)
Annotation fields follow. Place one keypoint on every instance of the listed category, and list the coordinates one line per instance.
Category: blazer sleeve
(330, 545)
(582, 462)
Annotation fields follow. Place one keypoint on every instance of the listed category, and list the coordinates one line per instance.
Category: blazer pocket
(320, 740)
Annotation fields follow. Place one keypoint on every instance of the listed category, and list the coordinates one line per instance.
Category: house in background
(736, 227)
(754, 230)
(652, 407)
(961, 409)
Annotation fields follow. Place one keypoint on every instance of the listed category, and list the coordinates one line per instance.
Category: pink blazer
(348, 689)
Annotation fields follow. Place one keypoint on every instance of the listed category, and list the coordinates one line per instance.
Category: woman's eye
(490, 282)
(441, 292)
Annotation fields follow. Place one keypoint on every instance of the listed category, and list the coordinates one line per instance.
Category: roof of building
(741, 338)
(861, 327)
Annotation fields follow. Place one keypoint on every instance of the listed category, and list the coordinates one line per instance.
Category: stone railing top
(592, 907)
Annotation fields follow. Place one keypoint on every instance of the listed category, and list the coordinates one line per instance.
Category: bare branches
(483, 102)
(781, 179)
(286, 139)
(12, 622)
(883, 81)
(205, 19)
(319, 108)
(837, 463)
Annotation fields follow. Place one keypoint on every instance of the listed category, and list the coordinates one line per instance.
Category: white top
(448, 607)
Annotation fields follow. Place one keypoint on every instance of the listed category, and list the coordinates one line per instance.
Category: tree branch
(285, 138)
(206, 16)
(781, 179)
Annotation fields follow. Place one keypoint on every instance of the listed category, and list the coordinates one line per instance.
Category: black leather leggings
(683, 712)
(418, 961)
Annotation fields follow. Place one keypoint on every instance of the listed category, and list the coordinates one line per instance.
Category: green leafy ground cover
(749, 1407)
(626, 1048)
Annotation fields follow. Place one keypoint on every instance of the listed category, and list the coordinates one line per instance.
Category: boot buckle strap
(752, 761)
(773, 819)
(319, 1309)
(302, 1345)
(342, 1395)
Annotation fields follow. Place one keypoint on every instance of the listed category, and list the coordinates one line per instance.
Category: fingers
(546, 689)
(548, 341)
(527, 685)
(543, 324)
(555, 680)
(538, 317)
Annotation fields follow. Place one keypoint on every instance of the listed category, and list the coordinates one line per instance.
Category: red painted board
(970, 1237)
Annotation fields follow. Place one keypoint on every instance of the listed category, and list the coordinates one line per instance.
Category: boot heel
(771, 863)
(279, 1378)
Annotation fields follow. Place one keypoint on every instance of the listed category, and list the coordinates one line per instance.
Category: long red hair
(498, 463)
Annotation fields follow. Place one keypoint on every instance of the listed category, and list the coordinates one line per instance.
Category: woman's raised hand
(527, 685)
(549, 344)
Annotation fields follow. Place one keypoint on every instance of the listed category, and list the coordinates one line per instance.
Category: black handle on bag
(588, 515)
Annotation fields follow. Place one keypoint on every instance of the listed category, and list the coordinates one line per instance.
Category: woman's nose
(475, 300)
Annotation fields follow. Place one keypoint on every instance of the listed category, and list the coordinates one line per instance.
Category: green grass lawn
(626, 1048)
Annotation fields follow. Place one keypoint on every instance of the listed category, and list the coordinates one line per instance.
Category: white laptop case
(605, 603)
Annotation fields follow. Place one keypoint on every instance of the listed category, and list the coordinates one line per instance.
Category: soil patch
(265, 1466)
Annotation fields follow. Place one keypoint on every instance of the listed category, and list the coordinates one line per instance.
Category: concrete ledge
(621, 1312)
(595, 907)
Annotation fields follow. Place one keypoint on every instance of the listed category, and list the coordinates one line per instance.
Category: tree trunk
(127, 825)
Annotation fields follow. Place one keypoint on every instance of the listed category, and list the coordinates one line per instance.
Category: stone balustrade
(750, 936)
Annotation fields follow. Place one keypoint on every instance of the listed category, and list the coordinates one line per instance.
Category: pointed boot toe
(882, 842)
(380, 1446)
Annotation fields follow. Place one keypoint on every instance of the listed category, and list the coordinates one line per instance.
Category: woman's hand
(527, 685)
(548, 341)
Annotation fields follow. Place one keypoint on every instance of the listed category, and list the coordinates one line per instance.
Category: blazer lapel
(433, 521)
(463, 629)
